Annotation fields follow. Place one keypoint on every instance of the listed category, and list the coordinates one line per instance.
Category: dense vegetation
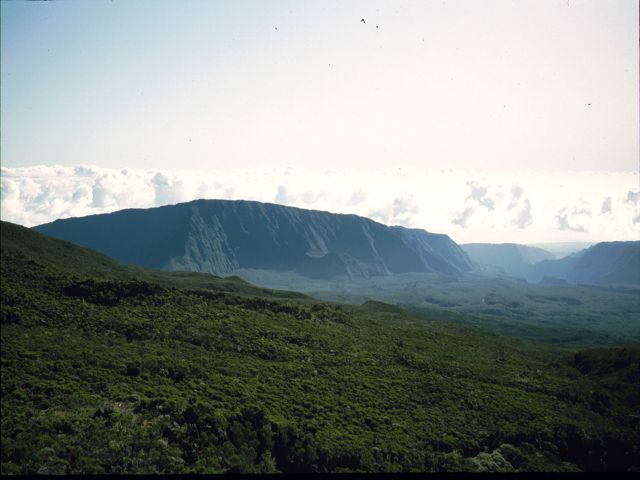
(578, 315)
(109, 369)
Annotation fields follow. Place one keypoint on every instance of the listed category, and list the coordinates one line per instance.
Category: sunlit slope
(108, 373)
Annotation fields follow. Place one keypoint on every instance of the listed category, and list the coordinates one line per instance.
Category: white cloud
(401, 211)
(468, 205)
(480, 193)
(573, 219)
(523, 217)
(462, 217)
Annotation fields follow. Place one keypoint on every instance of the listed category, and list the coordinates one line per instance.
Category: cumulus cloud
(505, 207)
(461, 218)
(167, 189)
(357, 198)
(468, 205)
(516, 194)
(521, 204)
(523, 218)
(573, 219)
(399, 212)
(281, 195)
(480, 193)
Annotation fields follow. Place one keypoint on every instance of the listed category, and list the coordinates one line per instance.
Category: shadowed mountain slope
(513, 259)
(558, 269)
(602, 263)
(27, 245)
(608, 262)
(222, 236)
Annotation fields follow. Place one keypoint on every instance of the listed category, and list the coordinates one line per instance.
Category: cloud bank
(470, 206)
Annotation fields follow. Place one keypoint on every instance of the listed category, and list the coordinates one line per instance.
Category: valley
(319, 238)
(577, 315)
(589, 297)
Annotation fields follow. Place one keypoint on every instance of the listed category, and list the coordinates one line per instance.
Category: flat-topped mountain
(222, 236)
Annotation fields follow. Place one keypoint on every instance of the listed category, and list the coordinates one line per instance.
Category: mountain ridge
(511, 258)
(615, 262)
(222, 236)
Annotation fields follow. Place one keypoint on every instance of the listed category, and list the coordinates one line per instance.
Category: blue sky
(529, 84)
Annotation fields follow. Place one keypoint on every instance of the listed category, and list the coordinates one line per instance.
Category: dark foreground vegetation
(113, 369)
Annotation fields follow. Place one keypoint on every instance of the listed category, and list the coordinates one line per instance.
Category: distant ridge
(223, 236)
(511, 258)
(608, 262)
(602, 263)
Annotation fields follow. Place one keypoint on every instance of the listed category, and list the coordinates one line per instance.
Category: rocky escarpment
(222, 236)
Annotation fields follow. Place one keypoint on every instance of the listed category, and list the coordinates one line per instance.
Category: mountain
(562, 249)
(602, 263)
(106, 370)
(607, 263)
(511, 258)
(558, 268)
(223, 236)
(28, 245)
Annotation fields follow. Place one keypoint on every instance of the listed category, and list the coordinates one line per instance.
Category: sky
(433, 113)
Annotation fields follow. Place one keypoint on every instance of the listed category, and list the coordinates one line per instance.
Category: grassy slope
(102, 372)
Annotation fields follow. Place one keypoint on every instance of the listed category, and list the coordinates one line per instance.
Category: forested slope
(103, 372)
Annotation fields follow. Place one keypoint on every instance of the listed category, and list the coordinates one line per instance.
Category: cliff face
(221, 236)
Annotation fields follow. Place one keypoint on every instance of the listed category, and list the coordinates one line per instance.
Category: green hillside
(74, 260)
(115, 369)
